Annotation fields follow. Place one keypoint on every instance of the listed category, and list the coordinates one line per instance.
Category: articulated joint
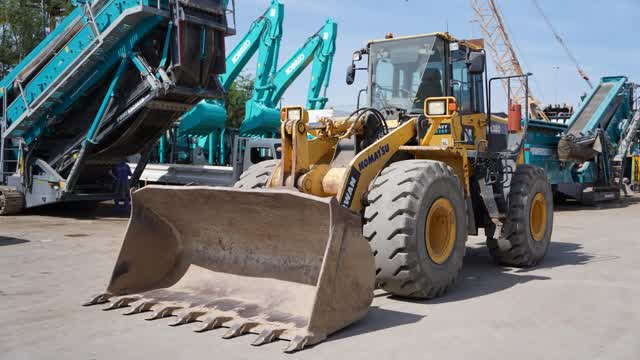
(291, 127)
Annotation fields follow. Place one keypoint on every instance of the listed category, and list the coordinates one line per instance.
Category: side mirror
(351, 74)
(476, 63)
(357, 56)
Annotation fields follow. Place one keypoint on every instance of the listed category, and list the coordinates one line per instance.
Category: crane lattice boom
(501, 49)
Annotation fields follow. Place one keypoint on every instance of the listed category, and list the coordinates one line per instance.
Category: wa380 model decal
(347, 198)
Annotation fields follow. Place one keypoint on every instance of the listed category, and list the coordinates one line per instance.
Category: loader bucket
(277, 263)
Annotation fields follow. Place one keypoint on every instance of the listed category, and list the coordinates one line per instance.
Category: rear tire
(256, 176)
(411, 259)
(529, 225)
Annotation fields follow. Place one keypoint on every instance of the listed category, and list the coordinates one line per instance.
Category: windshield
(406, 72)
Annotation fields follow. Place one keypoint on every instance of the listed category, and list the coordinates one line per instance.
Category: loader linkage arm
(302, 156)
(313, 166)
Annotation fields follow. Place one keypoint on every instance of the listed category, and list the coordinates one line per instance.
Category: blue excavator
(264, 37)
(262, 111)
(203, 129)
(104, 85)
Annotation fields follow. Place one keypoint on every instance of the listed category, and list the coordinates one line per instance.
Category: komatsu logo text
(373, 157)
(295, 64)
(245, 46)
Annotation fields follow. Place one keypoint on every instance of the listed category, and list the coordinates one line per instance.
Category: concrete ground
(583, 302)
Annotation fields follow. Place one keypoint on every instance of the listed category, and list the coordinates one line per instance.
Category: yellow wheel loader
(384, 197)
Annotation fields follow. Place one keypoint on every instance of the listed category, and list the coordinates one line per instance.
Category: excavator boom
(263, 113)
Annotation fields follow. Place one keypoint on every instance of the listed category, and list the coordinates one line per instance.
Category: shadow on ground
(481, 276)
(6, 241)
(80, 211)
(567, 254)
(567, 205)
(377, 319)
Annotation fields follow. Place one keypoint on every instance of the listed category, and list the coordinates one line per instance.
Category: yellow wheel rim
(440, 231)
(538, 217)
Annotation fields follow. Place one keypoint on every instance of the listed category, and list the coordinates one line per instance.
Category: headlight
(437, 108)
(294, 114)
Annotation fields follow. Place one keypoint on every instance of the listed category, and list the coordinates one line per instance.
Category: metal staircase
(8, 163)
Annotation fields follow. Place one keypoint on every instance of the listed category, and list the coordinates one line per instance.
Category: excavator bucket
(277, 263)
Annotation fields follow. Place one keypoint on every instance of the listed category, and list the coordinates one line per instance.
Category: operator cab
(404, 72)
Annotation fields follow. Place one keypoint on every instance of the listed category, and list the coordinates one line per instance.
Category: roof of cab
(471, 44)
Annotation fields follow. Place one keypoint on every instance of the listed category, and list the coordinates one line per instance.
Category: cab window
(406, 72)
(260, 154)
(466, 88)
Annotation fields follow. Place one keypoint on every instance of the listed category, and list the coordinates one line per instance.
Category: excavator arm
(262, 113)
(319, 49)
(264, 36)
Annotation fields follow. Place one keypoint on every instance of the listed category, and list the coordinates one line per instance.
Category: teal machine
(104, 85)
(586, 158)
(204, 127)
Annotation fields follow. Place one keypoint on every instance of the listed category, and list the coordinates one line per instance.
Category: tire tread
(518, 254)
(393, 208)
(256, 176)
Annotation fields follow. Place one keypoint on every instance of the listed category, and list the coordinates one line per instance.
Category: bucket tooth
(240, 328)
(213, 323)
(274, 272)
(98, 299)
(267, 336)
(188, 317)
(121, 302)
(142, 307)
(165, 311)
(297, 343)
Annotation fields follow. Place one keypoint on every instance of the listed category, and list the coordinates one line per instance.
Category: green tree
(23, 24)
(240, 92)
(55, 11)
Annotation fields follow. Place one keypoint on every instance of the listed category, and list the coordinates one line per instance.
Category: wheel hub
(538, 217)
(440, 231)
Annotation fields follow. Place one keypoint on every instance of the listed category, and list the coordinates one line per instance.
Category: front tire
(416, 225)
(529, 224)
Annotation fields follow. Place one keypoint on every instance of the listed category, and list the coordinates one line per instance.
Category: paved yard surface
(583, 302)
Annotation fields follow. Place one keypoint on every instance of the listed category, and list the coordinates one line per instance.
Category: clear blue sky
(600, 34)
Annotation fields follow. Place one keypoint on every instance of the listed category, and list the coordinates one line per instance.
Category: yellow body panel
(456, 157)
(307, 166)
(368, 163)
(471, 130)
